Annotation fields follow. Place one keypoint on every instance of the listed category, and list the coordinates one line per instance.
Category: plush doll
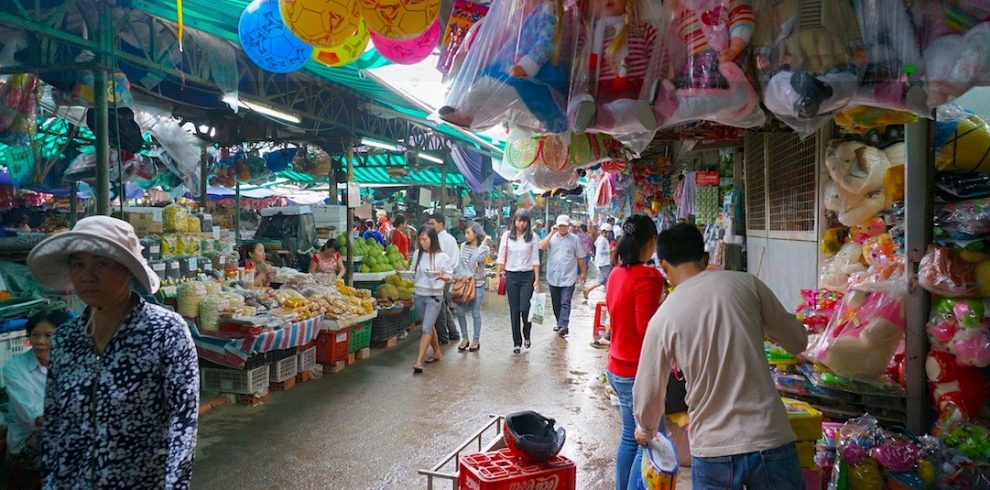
(954, 385)
(615, 49)
(852, 209)
(861, 339)
(956, 37)
(837, 270)
(892, 73)
(810, 54)
(515, 70)
(855, 192)
(703, 78)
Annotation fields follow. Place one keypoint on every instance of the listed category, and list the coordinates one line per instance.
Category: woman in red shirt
(633, 295)
(399, 237)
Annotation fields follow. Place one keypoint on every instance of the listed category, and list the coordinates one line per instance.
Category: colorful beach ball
(321, 23)
(268, 42)
(346, 52)
(399, 19)
(411, 51)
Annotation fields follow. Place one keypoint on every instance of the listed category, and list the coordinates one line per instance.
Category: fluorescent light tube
(379, 144)
(270, 111)
(430, 158)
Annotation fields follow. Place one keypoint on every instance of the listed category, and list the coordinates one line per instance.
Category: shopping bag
(659, 465)
(537, 306)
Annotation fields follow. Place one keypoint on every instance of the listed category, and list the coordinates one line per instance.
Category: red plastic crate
(601, 316)
(331, 345)
(500, 470)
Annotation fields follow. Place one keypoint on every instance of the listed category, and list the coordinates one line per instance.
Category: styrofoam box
(12, 344)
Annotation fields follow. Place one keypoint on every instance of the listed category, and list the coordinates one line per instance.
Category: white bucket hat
(98, 235)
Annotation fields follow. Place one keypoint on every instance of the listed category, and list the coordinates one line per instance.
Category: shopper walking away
(385, 226)
(565, 257)
(603, 259)
(122, 398)
(633, 296)
(328, 259)
(713, 324)
(24, 377)
(518, 261)
(447, 324)
(588, 242)
(372, 233)
(474, 252)
(432, 271)
(399, 237)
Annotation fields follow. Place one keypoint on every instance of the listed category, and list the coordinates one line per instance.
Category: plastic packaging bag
(537, 308)
(955, 37)
(517, 69)
(966, 219)
(962, 141)
(944, 273)
(864, 333)
(464, 16)
(961, 327)
(613, 75)
(893, 70)
(542, 179)
(810, 57)
(702, 64)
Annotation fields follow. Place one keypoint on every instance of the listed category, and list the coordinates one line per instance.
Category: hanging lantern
(347, 52)
(321, 23)
(267, 41)
(399, 19)
(411, 51)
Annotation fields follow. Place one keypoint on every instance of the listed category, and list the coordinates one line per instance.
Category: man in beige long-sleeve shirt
(713, 325)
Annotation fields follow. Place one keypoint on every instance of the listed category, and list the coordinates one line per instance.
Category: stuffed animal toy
(868, 229)
(961, 328)
(610, 81)
(892, 77)
(810, 55)
(857, 168)
(852, 209)
(955, 36)
(516, 70)
(862, 337)
(701, 68)
(847, 261)
(954, 385)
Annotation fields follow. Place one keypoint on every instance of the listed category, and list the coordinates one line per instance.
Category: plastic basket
(501, 470)
(246, 382)
(390, 323)
(360, 336)
(282, 370)
(12, 344)
(332, 345)
(306, 359)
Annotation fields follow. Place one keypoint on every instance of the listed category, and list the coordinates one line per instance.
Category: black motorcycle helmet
(532, 436)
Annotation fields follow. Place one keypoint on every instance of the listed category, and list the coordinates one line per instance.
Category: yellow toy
(965, 145)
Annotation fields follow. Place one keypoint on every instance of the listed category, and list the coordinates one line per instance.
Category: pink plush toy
(956, 40)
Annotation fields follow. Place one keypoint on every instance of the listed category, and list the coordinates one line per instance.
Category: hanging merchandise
(702, 64)
(871, 120)
(463, 17)
(516, 70)
(810, 57)
(612, 83)
(855, 192)
(348, 51)
(962, 141)
(544, 179)
(954, 36)
(321, 23)
(707, 204)
(685, 195)
(399, 19)
(955, 386)
(410, 51)
(894, 67)
(557, 153)
(268, 41)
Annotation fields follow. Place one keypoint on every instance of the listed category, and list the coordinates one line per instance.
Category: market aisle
(374, 425)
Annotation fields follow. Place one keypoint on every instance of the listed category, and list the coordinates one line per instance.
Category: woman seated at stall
(25, 376)
(328, 259)
(253, 256)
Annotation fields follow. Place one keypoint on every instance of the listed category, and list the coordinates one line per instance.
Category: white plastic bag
(537, 307)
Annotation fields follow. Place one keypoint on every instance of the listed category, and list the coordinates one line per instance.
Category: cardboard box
(145, 223)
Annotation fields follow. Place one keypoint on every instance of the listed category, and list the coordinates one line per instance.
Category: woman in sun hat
(122, 398)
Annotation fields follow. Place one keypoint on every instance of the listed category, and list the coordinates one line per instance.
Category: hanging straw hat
(98, 235)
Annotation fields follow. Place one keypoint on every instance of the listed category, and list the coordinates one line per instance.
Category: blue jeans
(629, 456)
(560, 298)
(773, 469)
(475, 308)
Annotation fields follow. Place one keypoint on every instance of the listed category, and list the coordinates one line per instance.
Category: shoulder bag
(462, 292)
(501, 280)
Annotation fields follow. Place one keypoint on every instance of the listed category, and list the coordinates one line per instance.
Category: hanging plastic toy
(612, 80)
(956, 41)
(516, 71)
(348, 51)
(268, 41)
(410, 51)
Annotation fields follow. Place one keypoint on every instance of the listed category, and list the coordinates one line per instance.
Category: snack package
(954, 36)
(702, 65)
(810, 56)
(517, 70)
(613, 76)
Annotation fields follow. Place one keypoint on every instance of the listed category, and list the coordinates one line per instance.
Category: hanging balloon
(411, 51)
(267, 41)
(399, 19)
(321, 23)
(347, 52)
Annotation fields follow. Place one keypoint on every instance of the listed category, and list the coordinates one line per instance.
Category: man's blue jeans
(773, 469)
(628, 458)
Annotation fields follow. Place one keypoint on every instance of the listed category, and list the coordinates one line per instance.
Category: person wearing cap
(122, 395)
(565, 257)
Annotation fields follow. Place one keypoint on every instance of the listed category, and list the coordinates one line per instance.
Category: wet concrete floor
(374, 425)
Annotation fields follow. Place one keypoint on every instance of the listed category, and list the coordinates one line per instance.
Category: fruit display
(376, 258)
(395, 289)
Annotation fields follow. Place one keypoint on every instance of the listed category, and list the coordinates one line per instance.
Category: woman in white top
(432, 270)
(519, 262)
(603, 258)
(474, 252)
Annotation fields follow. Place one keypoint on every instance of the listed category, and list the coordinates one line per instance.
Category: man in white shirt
(565, 257)
(616, 228)
(713, 324)
(446, 324)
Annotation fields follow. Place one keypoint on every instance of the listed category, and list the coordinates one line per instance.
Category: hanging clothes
(688, 194)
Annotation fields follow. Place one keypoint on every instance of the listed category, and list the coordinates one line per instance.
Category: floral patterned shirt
(127, 418)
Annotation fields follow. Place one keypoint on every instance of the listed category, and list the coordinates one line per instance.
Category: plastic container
(500, 470)
(601, 321)
(306, 358)
(805, 420)
(245, 382)
(12, 344)
(332, 345)
(360, 336)
(283, 370)
(390, 323)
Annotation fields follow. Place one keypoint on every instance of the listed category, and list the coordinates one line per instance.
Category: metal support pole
(204, 198)
(237, 212)
(917, 236)
(73, 203)
(102, 129)
(350, 213)
(443, 188)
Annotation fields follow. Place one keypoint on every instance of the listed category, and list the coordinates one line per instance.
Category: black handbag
(676, 393)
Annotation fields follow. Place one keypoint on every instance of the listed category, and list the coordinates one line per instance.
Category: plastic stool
(601, 321)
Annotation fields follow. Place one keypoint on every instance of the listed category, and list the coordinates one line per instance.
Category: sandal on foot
(463, 347)
(417, 370)
(475, 347)
(431, 360)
